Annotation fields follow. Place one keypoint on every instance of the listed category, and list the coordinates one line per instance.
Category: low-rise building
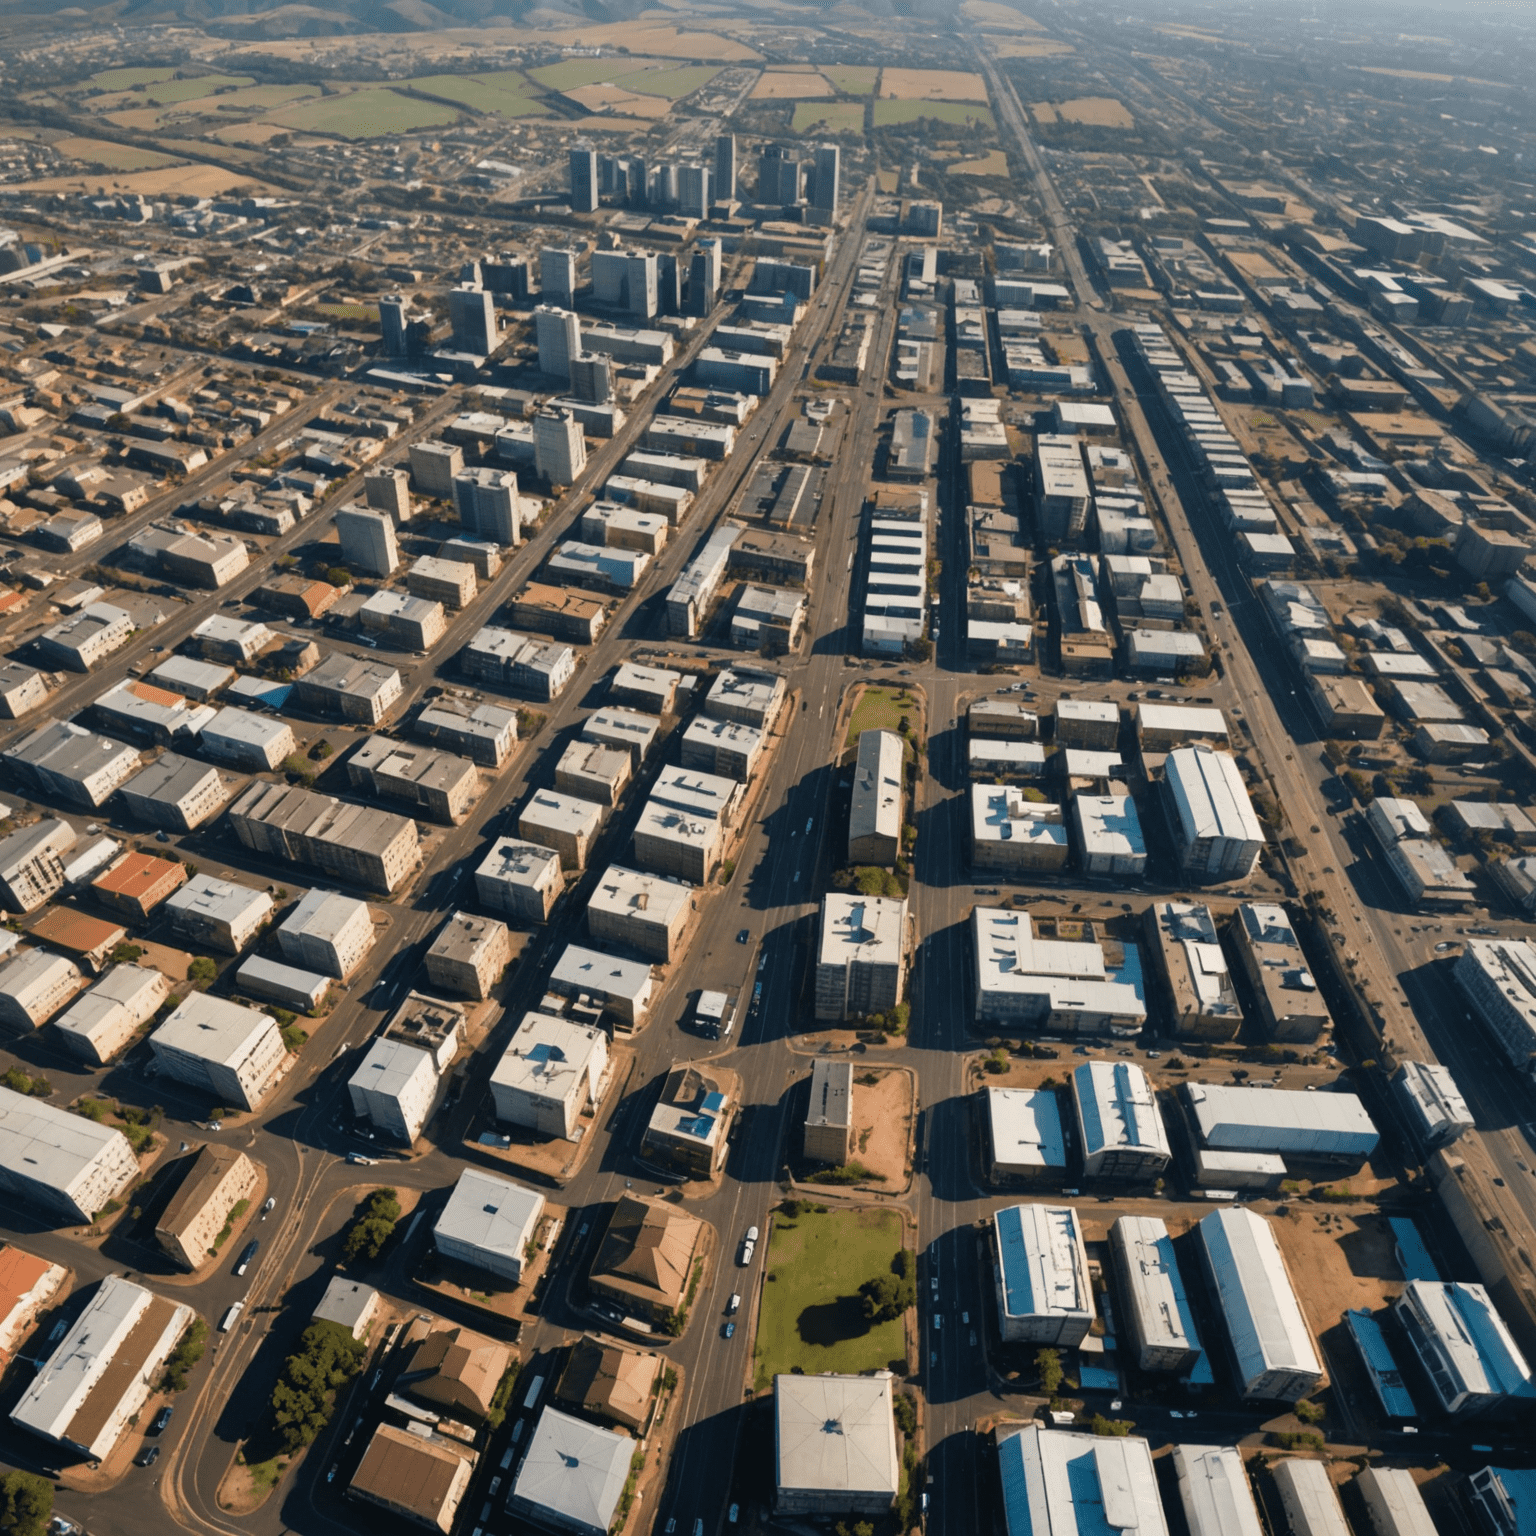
(28, 1284)
(1190, 962)
(22, 689)
(64, 762)
(861, 960)
(87, 637)
(1066, 1483)
(1470, 1359)
(348, 1304)
(415, 623)
(1431, 1102)
(1271, 957)
(1040, 1273)
(438, 784)
(1091, 723)
(1155, 1302)
(557, 611)
(645, 1261)
(1162, 727)
(138, 882)
(89, 939)
(468, 955)
(327, 932)
(286, 985)
(1012, 834)
(677, 843)
(1024, 1138)
(421, 1478)
(34, 985)
(352, 689)
(368, 847)
(452, 583)
(647, 913)
(1427, 873)
(834, 1443)
(236, 642)
(1331, 1127)
(622, 988)
(591, 771)
(457, 1371)
(233, 1054)
(32, 863)
(574, 1473)
(489, 1223)
(103, 1370)
(394, 1088)
(874, 817)
(606, 1380)
(175, 793)
(562, 822)
(552, 1071)
(534, 668)
(828, 1130)
(57, 1164)
(519, 879)
(103, 1020)
(1214, 1492)
(1273, 1354)
(1120, 1132)
(723, 747)
(218, 914)
(652, 689)
(1217, 833)
(214, 1190)
(689, 1128)
(628, 729)
(1498, 979)
(1109, 836)
(748, 696)
(484, 733)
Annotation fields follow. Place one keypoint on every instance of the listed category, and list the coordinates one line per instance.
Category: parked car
(147, 1457)
(161, 1420)
(358, 1158)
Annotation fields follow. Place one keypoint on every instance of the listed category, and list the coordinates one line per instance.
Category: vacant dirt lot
(1097, 111)
(932, 85)
(882, 1122)
(780, 86)
(1337, 1262)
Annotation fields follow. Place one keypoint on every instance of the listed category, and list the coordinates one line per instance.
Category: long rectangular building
(1121, 1134)
(1058, 1482)
(1465, 1347)
(1153, 1295)
(1331, 1126)
(368, 847)
(1214, 1491)
(1499, 980)
(59, 1164)
(1040, 1271)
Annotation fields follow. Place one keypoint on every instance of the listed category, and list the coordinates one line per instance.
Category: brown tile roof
(647, 1251)
(74, 931)
(457, 1369)
(127, 1362)
(138, 876)
(610, 1381)
(407, 1472)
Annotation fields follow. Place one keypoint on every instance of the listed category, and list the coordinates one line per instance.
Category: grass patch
(362, 313)
(126, 79)
(853, 79)
(507, 92)
(263, 98)
(887, 112)
(994, 163)
(828, 117)
(879, 709)
(675, 83)
(811, 1315)
(114, 157)
(365, 114)
(173, 92)
(569, 73)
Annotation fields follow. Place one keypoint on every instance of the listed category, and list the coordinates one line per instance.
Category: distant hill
(283, 18)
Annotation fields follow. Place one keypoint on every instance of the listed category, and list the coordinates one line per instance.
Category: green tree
(373, 1226)
(203, 972)
(904, 1410)
(1048, 1364)
(26, 1503)
(887, 1296)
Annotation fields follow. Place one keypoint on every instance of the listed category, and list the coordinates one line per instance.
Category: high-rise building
(778, 177)
(639, 182)
(557, 275)
(367, 541)
(640, 284)
(610, 175)
(610, 269)
(393, 323)
(725, 167)
(704, 277)
(559, 449)
(389, 491)
(693, 191)
(486, 500)
(669, 284)
(824, 187)
(592, 378)
(664, 184)
(471, 275)
(472, 313)
(583, 180)
(559, 337)
(507, 277)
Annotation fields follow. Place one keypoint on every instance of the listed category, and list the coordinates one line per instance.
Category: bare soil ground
(932, 85)
(882, 1123)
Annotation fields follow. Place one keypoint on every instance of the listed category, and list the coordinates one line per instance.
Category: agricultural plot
(932, 85)
(171, 93)
(115, 157)
(364, 114)
(569, 73)
(504, 92)
(675, 83)
(1021, 48)
(126, 79)
(619, 98)
(993, 164)
(828, 117)
(775, 85)
(1095, 111)
(853, 79)
(993, 17)
(887, 112)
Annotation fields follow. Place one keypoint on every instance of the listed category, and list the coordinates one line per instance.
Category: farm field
(782, 86)
(619, 98)
(1096, 111)
(116, 157)
(126, 79)
(993, 164)
(991, 16)
(569, 73)
(811, 1316)
(1020, 48)
(171, 93)
(828, 117)
(674, 83)
(506, 92)
(932, 85)
(853, 79)
(364, 114)
(944, 111)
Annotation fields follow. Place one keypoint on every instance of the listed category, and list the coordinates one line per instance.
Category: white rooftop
(1116, 1109)
(493, 1215)
(1057, 1482)
(1044, 1263)
(213, 1029)
(836, 1434)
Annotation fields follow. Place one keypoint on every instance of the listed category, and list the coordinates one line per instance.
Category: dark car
(744, 935)
(161, 1421)
(246, 1255)
(147, 1457)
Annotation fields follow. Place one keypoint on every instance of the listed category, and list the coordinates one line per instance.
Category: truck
(714, 1014)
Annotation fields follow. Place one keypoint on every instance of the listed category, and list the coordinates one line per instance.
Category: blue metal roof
(1385, 1376)
(1411, 1252)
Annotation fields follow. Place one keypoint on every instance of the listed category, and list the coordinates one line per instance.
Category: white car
(748, 1248)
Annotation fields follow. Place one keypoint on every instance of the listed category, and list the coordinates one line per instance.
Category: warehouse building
(368, 847)
(102, 1021)
(834, 1441)
(327, 932)
(552, 1072)
(59, 1164)
(1218, 835)
(1431, 1103)
(63, 762)
(1055, 986)
(1214, 1491)
(874, 818)
(1498, 979)
(1152, 1294)
(573, 1476)
(1058, 1482)
(1024, 1138)
(1465, 1347)
(35, 984)
(1013, 835)
(218, 1179)
(421, 1478)
(1270, 954)
(861, 960)
(394, 1088)
(520, 880)
(468, 955)
(1188, 957)
(1394, 1503)
(218, 914)
(32, 863)
(1120, 1132)
(621, 988)
(1271, 1347)
(103, 1370)
(233, 1054)
(1040, 1271)
(1308, 1497)
(646, 913)
(1385, 1377)
(1292, 1123)
(175, 793)
(489, 1224)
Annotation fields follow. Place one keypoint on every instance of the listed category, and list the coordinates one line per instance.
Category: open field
(116, 157)
(932, 85)
(617, 98)
(506, 92)
(881, 709)
(125, 79)
(674, 83)
(172, 92)
(669, 42)
(853, 79)
(828, 117)
(173, 176)
(810, 1314)
(882, 1123)
(1018, 48)
(777, 85)
(944, 111)
(138, 119)
(989, 16)
(569, 73)
(364, 114)
(993, 164)
(1096, 111)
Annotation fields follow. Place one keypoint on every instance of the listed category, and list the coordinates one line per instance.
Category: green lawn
(810, 1314)
(878, 710)
(364, 114)
(853, 79)
(675, 83)
(504, 91)
(174, 91)
(828, 117)
(126, 79)
(569, 73)
(944, 111)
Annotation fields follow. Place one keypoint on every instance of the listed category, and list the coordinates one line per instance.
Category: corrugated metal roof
(1213, 1488)
(1059, 1483)
(1116, 1108)
(1310, 1498)
(1156, 1293)
(1044, 1264)
(1386, 1379)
